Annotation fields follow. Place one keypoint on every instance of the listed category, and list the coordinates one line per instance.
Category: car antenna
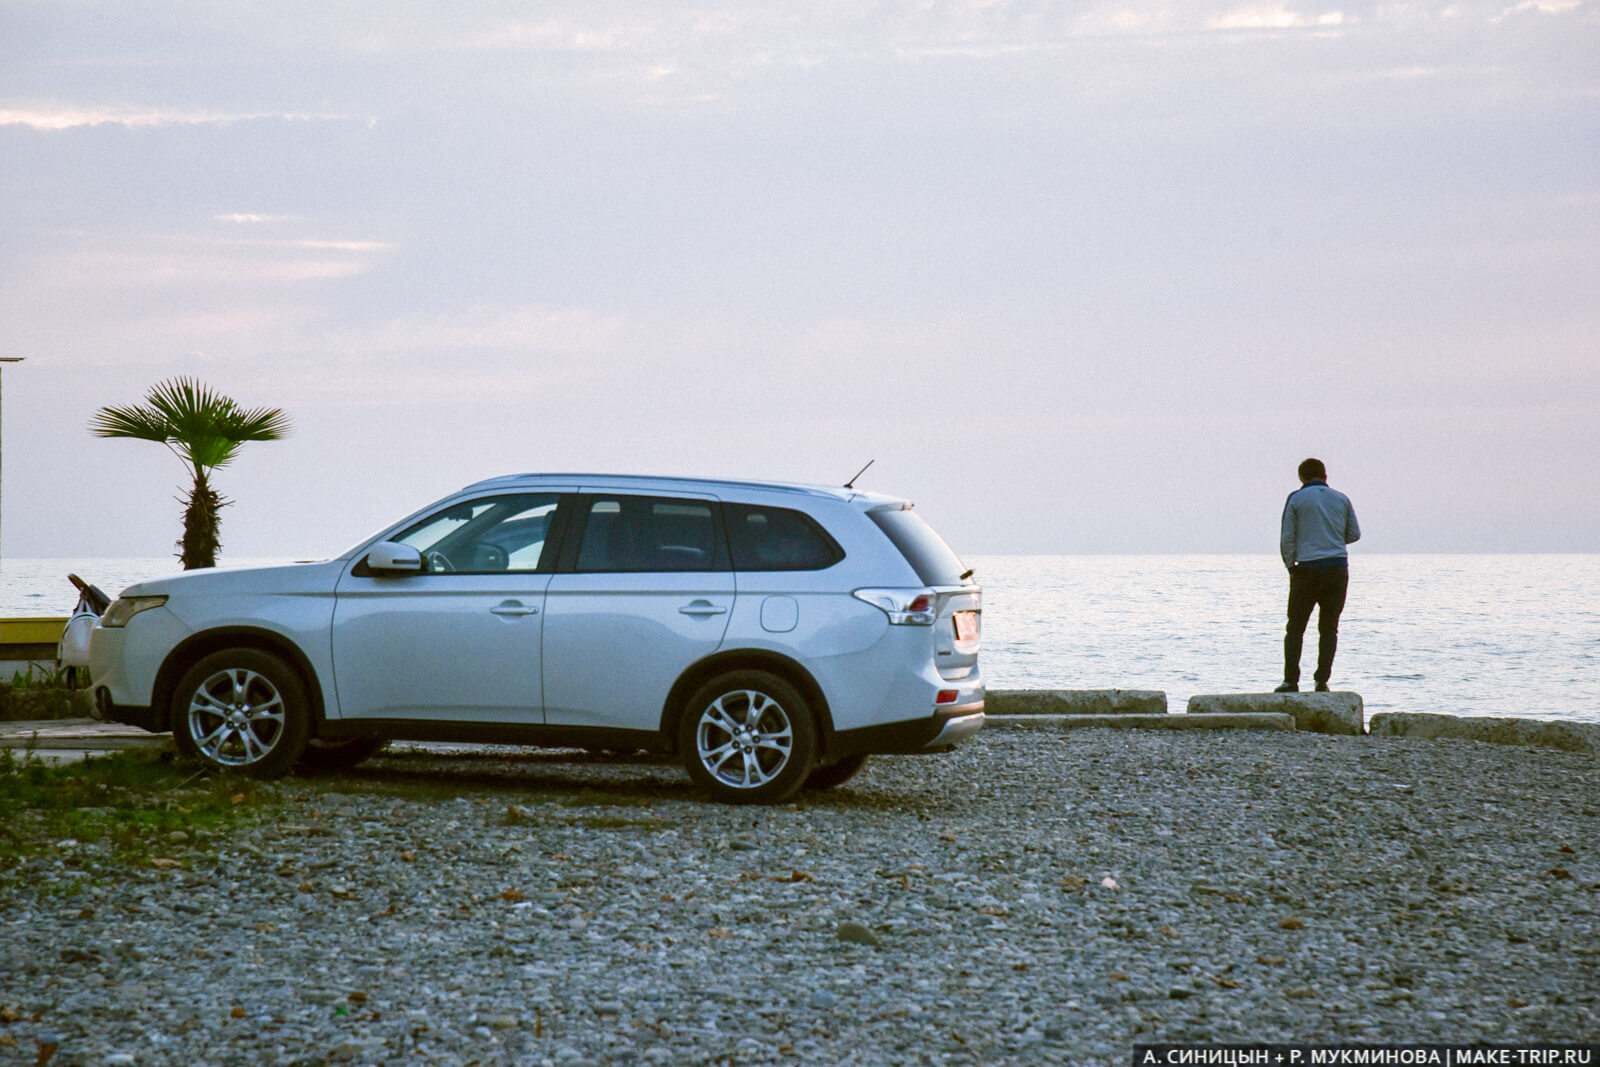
(851, 484)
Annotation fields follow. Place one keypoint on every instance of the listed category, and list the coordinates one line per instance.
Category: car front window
(486, 536)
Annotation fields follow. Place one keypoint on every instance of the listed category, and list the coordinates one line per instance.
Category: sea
(1482, 635)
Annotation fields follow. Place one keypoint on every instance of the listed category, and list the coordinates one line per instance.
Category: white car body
(565, 650)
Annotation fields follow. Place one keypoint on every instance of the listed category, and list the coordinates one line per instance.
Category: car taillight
(947, 696)
(905, 607)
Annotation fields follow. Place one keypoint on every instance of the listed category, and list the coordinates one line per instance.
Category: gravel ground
(1033, 898)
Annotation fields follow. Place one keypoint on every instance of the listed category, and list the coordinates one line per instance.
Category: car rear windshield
(925, 550)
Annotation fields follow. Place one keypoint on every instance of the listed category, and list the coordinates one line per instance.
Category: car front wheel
(242, 710)
(748, 738)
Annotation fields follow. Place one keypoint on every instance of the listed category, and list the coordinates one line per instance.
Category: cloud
(231, 324)
(52, 118)
(135, 269)
(572, 330)
(313, 243)
(561, 36)
(1270, 17)
(243, 218)
(1543, 7)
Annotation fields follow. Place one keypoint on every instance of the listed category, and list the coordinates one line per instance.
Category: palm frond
(260, 424)
(202, 426)
(142, 423)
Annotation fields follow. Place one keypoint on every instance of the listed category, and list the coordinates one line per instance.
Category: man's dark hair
(1312, 469)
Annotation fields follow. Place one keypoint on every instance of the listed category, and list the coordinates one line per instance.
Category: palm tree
(204, 429)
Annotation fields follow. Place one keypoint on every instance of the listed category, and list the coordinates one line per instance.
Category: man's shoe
(1287, 687)
(1322, 687)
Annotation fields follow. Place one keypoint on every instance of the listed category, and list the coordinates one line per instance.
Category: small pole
(5, 359)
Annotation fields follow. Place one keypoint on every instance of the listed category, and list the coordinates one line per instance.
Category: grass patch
(40, 676)
(127, 808)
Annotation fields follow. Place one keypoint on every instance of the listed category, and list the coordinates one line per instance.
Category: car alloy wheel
(244, 710)
(748, 737)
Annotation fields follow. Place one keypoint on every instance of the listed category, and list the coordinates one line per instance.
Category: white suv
(772, 635)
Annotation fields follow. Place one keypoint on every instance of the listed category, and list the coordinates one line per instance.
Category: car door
(462, 640)
(643, 590)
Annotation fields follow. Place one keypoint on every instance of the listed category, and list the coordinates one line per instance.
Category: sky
(1079, 277)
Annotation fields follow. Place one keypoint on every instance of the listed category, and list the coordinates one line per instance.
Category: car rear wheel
(748, 738)
(244, 710)
(838, 773)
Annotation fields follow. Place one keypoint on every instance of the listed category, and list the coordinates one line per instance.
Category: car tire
(180, 738)
(748, 737)
(837, 773)
(242, 710)
(339, 754)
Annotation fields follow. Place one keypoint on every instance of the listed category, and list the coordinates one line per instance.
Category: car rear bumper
(939, 732)
(957, 729)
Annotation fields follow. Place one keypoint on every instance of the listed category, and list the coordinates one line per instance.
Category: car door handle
(701, 607)
(511, 607)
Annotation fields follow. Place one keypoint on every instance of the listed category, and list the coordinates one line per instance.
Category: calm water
(1470, 635)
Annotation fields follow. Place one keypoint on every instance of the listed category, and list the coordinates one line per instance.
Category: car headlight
(124, 608)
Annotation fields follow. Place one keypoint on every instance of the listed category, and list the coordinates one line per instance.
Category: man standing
(1317, 523)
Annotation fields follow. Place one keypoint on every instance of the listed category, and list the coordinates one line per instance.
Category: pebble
(857, 934)
(603, 912)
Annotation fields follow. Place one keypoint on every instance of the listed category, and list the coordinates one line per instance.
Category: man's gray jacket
(1317, 523)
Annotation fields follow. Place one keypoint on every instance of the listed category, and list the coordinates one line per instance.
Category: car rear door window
(777, 539)
(649, 534)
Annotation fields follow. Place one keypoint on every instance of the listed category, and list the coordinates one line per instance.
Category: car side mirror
(388, 559)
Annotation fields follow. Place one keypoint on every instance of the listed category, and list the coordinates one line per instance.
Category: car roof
(673, 482)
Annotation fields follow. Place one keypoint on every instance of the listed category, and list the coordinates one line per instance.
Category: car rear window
(925, 550)
(777, 539)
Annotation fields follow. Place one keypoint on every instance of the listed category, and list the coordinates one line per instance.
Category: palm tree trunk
(201, 525)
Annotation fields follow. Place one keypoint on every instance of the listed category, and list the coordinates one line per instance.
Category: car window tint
(777, 539)
(486, 536)
(640, 533)
(925, 550)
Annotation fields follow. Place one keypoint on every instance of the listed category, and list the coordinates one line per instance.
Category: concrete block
(1247, 721)
(1075, 702)
(1545, 733)
(1321, 713)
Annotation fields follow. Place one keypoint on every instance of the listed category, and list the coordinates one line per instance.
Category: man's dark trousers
(1322, 588)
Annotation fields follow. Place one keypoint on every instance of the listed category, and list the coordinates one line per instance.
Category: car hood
(289, 578)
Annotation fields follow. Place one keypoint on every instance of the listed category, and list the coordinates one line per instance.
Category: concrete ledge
(1075, 702)
(78, 735)
(1247, 721)
(1544, 733)
(1320, 713)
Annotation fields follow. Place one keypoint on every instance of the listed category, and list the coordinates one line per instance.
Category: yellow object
(31, 631)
